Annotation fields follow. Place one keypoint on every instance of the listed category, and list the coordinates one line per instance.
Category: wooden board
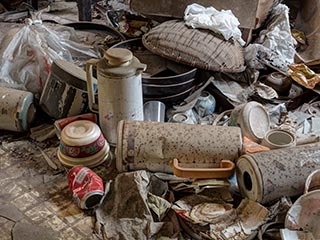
(244, 10)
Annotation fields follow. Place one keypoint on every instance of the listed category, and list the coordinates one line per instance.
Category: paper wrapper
(304, 75)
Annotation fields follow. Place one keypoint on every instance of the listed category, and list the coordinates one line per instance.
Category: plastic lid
(120, 62)
(118, 56)
(256, 121)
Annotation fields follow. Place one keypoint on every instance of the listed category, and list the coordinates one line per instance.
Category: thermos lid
(118, 56)
(120, 62)
(255, 121)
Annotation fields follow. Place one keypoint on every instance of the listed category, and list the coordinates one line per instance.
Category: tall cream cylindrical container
(267, 176)
(152, 145)
(119, 90)
(17, 109)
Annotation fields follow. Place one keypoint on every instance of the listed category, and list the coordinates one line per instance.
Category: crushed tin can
(86, 187)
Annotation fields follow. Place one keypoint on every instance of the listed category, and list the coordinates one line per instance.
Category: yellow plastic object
(225, 170)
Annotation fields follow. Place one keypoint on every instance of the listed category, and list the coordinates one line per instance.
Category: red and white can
(86, 187)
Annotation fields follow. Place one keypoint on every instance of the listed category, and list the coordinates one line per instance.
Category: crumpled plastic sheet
(120, 5)
(233, 90)
(223, 21)
(275, 113)
(275, 44)
(26, 54)
(124, 212)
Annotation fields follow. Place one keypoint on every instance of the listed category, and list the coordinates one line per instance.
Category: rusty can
(86, 187)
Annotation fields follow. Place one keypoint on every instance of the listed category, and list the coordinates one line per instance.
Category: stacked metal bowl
(164, 80)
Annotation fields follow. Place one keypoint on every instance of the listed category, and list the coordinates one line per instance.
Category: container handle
(94, 107)
(225, 170)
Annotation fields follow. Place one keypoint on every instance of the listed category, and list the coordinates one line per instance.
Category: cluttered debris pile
(208, 113)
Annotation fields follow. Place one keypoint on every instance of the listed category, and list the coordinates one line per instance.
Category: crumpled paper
(218, 220)
(223, 21)
(250, 216)
(263, 90)
(124, 212)
(158, 205)
(304, 75)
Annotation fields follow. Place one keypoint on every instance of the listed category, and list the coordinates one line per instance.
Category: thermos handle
(94, 107)
(225, 170)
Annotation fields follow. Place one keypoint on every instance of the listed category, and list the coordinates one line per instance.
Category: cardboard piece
(249, 12)
(308, 22)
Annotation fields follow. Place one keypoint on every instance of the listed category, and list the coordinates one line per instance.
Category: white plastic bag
(275, 44)
(223, 22)
(26, 54)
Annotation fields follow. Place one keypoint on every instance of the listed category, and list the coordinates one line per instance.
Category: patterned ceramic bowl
(82, 143)
(90, 161)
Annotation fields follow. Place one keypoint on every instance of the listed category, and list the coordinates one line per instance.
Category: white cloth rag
(223, 21)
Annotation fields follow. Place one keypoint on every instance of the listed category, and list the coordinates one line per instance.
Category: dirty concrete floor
(35, 202)
(32, 192)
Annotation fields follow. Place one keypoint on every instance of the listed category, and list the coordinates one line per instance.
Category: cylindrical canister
(152, 145)
(119, 90)
(269, 175)
(86, 187)
(65, 92)
(17, 109)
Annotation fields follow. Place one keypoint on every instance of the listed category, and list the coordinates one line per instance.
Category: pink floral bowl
(81, 139)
